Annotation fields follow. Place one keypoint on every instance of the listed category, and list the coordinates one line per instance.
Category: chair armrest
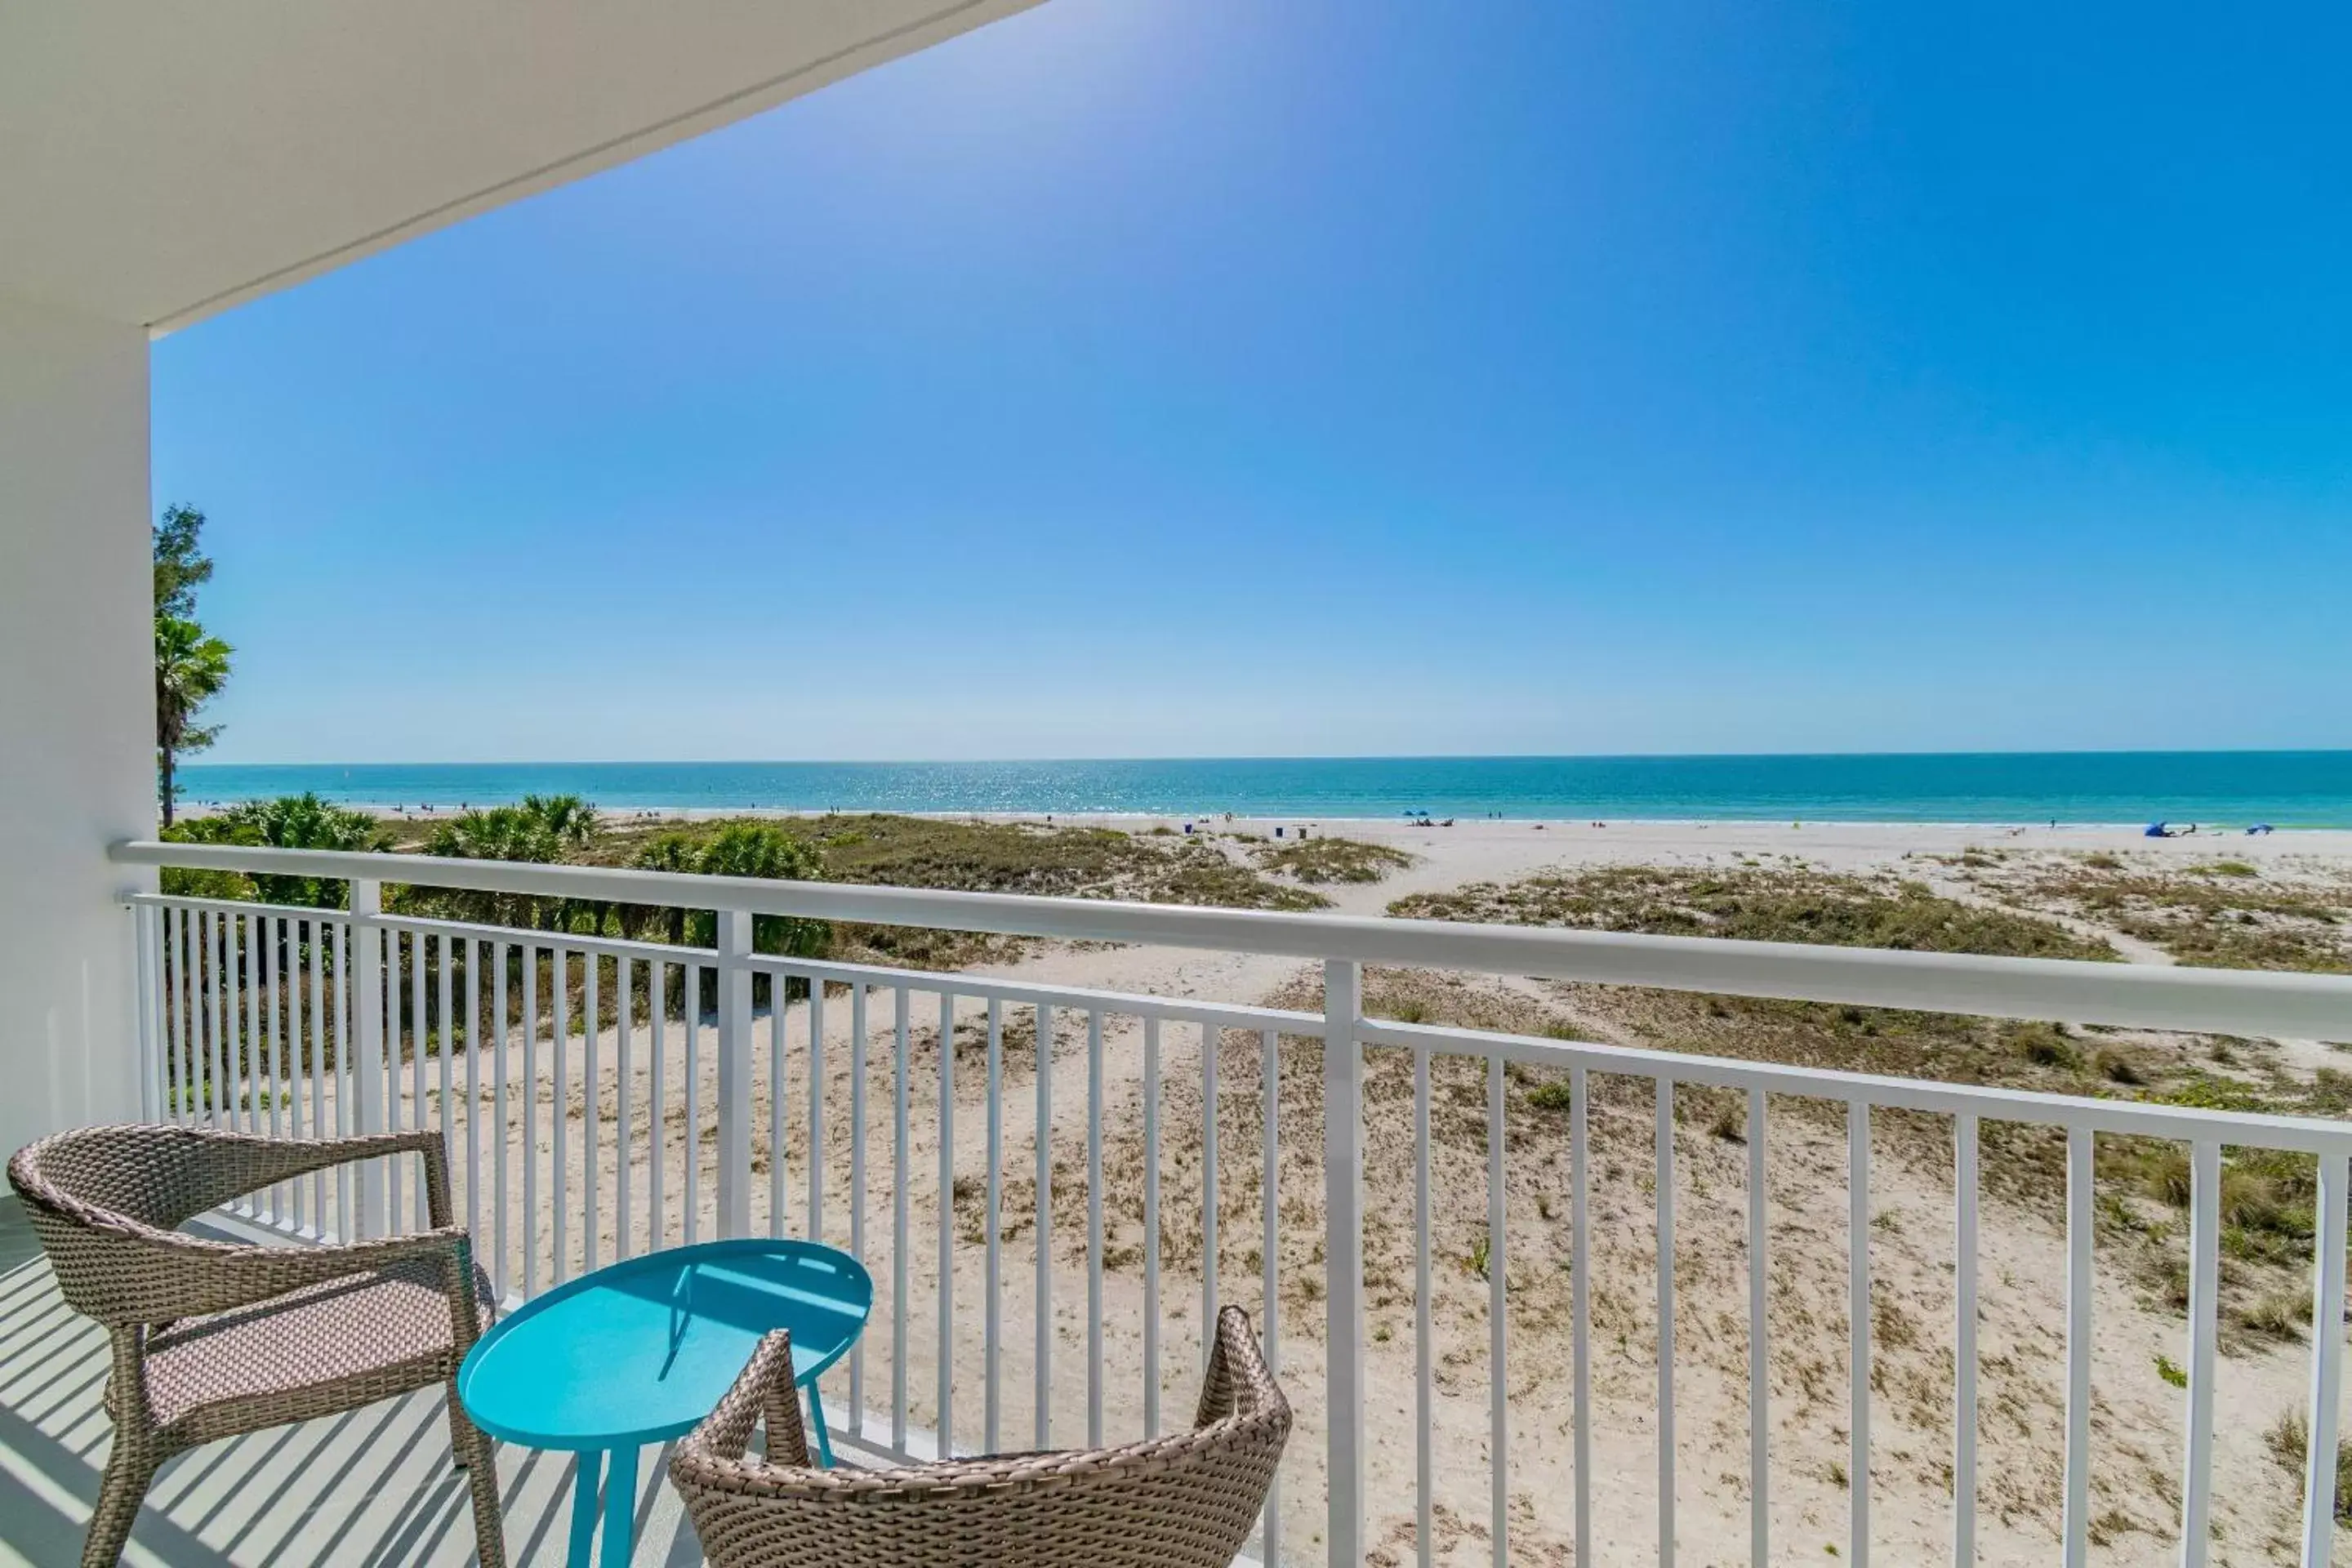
(765, 1389)
(1237, 1383)
(187, 1276)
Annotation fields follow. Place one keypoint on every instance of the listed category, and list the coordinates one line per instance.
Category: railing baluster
(420, 1036)
(146, 978)
(530, 1119)
(1094, 1229)
(502, 1276)
(474, 1091)
(208, 1030)
(346, 1030)
(625, 1037)
(1343, 1268)
(733, 1150)
(1269, 1047)
(237, 997)
(273, 931)
(559, 1041)
(208, 939)
(2078, 1347)
(1759, 1365)
(448, 1050)
(1212, 1043)
(244, 1019)
(287, 957)
(899, 1217)
(690, 992)
(363, 1042)
(317, 1066)
(947, 1225)
(2204, 1286)
(184, 1048)
(1151, 1227)
(254, 1047)
(857, 1042)
(816, 1110)
(291, 1042)
(591, 1030)
(1424, 1361)
(246, 1031)
(1043, 1369)
(1857, 1189)
(1498, 1428)
(394, 1118)
(658, 1105)
(991, 1308)
(225, 928)
(2326, 1362)
(1666, 1180)
(778, 983)
(215, 988)
(207, 1016)
(1964, 1342)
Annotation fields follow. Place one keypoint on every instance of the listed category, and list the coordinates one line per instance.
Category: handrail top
(2075, 991)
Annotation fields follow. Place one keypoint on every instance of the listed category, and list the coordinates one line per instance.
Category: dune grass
(2223, 914)
(1327, 860)
(2268, 1199)
(965, 856)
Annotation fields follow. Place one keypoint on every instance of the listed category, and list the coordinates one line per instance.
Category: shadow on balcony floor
(373, 1486)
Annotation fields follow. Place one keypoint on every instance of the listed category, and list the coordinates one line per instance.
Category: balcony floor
(374, 1486)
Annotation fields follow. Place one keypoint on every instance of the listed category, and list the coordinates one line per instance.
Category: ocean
(2286, 789)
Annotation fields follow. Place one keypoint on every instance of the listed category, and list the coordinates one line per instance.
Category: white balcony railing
(602, 1096)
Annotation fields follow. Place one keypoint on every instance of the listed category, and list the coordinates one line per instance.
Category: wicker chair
(213, 1340)
(1182, 1501)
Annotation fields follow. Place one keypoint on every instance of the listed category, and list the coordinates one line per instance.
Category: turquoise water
(2289, 789)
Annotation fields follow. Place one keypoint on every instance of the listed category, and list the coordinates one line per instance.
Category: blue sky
(1146, 378)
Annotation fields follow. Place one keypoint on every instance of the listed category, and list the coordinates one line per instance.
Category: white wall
(76, 711)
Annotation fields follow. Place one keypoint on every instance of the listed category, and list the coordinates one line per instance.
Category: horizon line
(1290, 757)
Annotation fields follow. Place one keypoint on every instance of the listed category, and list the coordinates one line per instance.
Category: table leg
(824, 1434)
(621, 1509)
(588, 1465)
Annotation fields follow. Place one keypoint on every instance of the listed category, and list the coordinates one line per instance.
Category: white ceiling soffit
(162, 160)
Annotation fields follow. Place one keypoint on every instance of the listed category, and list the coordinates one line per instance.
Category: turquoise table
(639, 1352)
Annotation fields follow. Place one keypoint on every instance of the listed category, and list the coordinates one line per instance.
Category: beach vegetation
(2267, 1200)
(735, 848)
(543, 830)
(1786, 905)
(1327, 860)
(2223, 914)
(975, 856)
(285, 822)
(1558, 1095)
(2289, 1442)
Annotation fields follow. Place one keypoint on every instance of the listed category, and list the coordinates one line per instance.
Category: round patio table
(640, 1351)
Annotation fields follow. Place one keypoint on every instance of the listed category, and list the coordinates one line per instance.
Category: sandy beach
(2137, 1416)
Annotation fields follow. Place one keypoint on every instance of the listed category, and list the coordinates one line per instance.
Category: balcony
(1648, 1327)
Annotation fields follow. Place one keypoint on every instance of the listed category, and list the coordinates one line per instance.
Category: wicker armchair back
(1185, 1501)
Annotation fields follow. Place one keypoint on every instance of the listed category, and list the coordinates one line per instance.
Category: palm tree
(740, 850)
(571, 821)
(500, 833)
(191, 666)
(303, 822)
